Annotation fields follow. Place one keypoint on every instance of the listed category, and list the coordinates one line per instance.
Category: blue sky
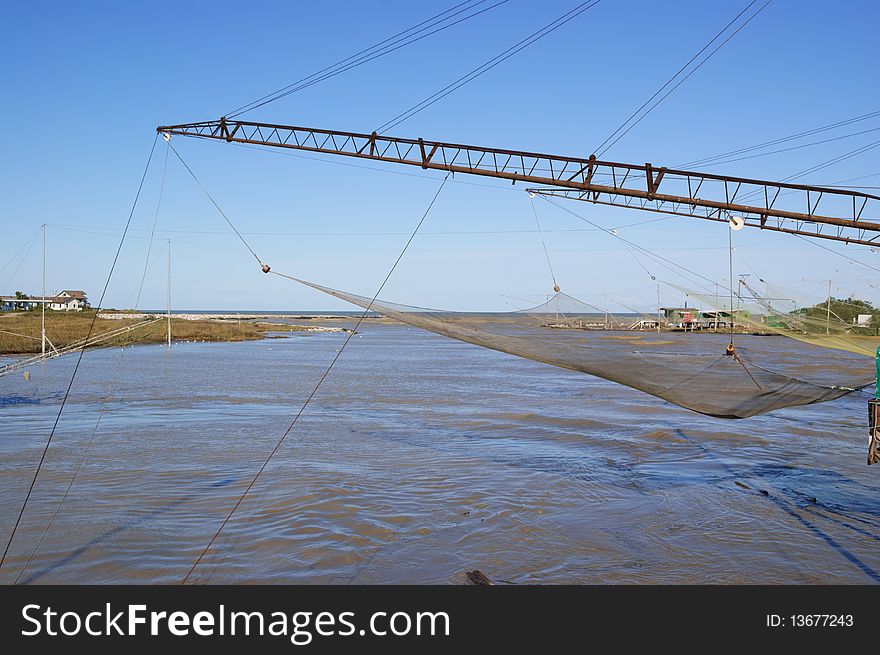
(85, 85)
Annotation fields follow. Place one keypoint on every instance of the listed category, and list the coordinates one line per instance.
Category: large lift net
(692, 371)
(842, 324)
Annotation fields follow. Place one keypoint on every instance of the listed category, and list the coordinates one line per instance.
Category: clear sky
(86, 83)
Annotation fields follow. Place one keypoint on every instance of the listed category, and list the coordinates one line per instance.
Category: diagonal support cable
(320, 380)
(79, 359)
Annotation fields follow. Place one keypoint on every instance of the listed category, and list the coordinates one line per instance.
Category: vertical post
(43, 311)
(168, 308)
(730, 263)
(716, 308)
(605, 296)
(874, 419)
(828, 315)
(873, 431)
(658, 308)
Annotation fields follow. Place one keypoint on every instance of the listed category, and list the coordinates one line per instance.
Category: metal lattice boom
(828, 213)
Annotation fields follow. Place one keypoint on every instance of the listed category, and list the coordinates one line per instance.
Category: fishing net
(845, 324)
(691, 371)
(562, 311)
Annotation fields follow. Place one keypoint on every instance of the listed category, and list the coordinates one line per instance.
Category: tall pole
(828, 314)
(877, 381)
(730, 269)
(168, 308)
(43, 311)
(605, 295)
(874, 420)
(716, 308)
(659, 312)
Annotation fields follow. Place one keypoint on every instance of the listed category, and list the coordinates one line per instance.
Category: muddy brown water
(419, 459)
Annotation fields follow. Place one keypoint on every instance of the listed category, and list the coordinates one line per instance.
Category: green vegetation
(843, 311)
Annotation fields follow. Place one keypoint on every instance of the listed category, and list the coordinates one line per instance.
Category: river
(420, 458)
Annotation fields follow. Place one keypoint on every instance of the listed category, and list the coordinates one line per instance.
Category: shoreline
(21, 333)
(227, 316)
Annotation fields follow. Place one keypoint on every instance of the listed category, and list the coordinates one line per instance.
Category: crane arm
(828, 213)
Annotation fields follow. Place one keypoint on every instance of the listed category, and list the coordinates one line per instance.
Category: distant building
(863, 320)
(694, 319)
(721, 318)
(680, 316)
(69, 300)
(7, 303)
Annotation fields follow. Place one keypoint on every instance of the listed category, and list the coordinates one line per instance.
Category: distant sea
(268, 312)
(355, 313)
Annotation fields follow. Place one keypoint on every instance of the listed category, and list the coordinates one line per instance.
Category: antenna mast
(168, 308)
(43, 298)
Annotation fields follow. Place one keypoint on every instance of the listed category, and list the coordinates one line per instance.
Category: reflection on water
(421, 458)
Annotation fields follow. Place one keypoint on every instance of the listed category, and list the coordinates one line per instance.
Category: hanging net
(846, 324)
(563, 311)
(691, 371)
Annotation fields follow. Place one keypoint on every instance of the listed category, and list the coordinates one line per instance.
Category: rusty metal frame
(857, 233)
(819, 212)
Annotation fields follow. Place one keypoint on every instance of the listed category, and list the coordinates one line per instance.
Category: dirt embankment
(20, 331)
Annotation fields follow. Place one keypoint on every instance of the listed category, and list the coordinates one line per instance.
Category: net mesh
(825, 322)
(691, 371)
(567, 312)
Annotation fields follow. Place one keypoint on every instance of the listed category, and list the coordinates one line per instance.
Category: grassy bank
(20, 331)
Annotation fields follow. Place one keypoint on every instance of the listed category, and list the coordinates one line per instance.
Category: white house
(69, 301)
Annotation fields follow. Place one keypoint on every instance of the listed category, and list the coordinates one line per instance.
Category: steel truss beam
(819, 212)
(860, 232)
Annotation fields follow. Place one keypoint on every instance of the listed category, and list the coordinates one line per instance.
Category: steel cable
(79, 359)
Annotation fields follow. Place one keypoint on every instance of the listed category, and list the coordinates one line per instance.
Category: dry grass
(20, 331)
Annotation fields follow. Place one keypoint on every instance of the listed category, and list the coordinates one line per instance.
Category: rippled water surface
(418, 459)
